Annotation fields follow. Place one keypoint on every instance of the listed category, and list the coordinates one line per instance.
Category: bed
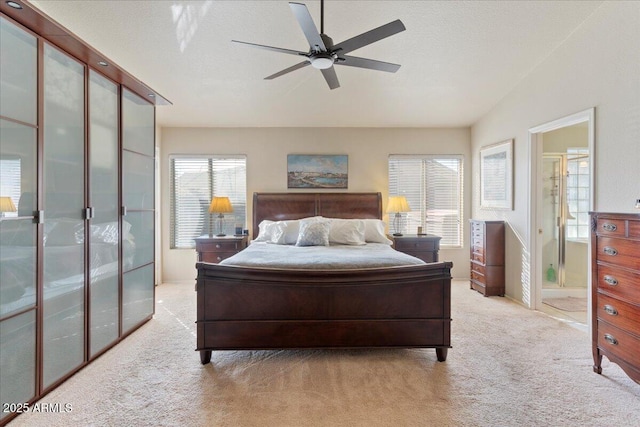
(254, 307)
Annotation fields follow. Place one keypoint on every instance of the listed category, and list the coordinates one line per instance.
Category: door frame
(535, 195)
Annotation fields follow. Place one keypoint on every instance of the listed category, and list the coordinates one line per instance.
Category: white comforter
(371, 255)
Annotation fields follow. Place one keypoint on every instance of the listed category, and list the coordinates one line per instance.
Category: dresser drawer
(619, 314)
(618, 251)
(620, 283)
(611, 227)
(478, 277)
(478, 268)
(477, 256)
(477, 228)
(619, 343)
(634, 229)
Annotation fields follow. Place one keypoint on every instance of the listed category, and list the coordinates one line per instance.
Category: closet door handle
(608, 250)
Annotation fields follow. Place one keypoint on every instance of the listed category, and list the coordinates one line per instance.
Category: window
(10, 173)
(578, 182)
(433, 187)
(194, 182)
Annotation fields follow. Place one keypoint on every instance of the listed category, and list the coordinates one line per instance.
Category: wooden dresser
(425, 246)
(615, 263)
(487, 257)
(215, 249)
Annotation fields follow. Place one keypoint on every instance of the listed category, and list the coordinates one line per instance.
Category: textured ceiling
(458, 58)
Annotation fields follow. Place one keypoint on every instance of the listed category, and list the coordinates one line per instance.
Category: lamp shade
(397, 204)
(6, 205)
(220, 205)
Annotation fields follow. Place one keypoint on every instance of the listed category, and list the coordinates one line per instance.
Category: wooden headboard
(286, 206)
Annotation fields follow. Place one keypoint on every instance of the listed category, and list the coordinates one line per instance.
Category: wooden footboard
(262, 308)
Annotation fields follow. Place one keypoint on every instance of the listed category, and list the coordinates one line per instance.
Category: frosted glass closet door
(138, 225)
(104, 236)
(18, 163)
(64, 249)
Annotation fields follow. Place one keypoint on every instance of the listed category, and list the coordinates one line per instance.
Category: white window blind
(433, 187)
(194, 182)
(10, 173)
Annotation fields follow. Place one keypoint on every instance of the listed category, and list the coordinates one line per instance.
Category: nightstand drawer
(216, 257)
(221, 246)
(414, 245)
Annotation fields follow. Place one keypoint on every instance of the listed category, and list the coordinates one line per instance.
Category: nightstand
(215, 249)
(425, 246)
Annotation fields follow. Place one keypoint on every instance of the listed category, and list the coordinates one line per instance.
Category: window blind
(194, 182)
(433, 187)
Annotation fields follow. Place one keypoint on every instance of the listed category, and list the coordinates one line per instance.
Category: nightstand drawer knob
(219, 258)
(609, 227)
(610, 280)
(610, 310)
(217, 246)
(608, 250)
(610, 339)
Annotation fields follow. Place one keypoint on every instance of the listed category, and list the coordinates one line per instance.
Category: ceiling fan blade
(275, 49)
(371, 64)
(288, 70)
(308, 27)
(331, 77)
(369, 37)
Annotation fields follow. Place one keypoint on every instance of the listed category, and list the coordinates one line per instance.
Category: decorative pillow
(347, 231)
(374, 232)
(314, 233)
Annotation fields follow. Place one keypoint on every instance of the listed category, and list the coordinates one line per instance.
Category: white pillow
(347, 231)
(314, 233)
(374, 231)
(285, 232)
(265, 231)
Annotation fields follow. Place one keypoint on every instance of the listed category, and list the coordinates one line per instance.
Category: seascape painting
(317, 171)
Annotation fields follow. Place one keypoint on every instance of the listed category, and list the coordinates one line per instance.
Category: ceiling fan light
(322, 62)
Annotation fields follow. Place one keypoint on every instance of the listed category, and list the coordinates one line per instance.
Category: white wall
(597, 66)
(267, 148)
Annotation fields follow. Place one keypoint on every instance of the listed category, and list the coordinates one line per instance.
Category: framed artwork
(317, 171)
(496, 176)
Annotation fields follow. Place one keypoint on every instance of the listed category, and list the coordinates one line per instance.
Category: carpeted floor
(509, 366)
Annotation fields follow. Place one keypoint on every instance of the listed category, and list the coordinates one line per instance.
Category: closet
(77, 208)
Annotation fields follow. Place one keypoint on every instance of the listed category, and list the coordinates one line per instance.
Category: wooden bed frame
(249, 308)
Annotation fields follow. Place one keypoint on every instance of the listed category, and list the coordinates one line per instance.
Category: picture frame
(496, 176)
(329, 171)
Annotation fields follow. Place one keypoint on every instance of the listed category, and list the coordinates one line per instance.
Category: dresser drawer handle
(610, 310)
(219, 258)
(610, 251)
(610, 339)
(217, 246)
(609, 227)
(610, 280)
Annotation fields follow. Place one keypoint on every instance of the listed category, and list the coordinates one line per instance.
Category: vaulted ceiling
(459, 58)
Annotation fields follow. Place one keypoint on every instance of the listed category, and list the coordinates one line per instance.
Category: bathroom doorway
(564, 197)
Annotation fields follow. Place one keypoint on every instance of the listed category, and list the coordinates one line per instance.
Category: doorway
(562, 196)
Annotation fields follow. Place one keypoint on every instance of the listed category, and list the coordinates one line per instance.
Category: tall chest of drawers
(615, 262)
(487, 257)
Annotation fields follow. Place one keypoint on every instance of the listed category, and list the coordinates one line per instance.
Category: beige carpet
(508, 367)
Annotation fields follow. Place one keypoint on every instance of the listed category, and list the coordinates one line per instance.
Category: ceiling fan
(323, 54)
